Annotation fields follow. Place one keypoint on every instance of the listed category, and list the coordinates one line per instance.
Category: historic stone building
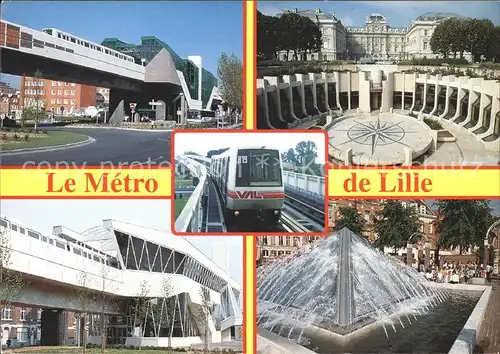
(375, 40)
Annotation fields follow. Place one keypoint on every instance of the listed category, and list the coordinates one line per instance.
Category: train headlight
(236, 213)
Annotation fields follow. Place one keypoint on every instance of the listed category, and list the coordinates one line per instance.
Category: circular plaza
(378, 139)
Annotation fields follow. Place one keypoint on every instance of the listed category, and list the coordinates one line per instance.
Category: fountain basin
(440, 331)
(341, 295)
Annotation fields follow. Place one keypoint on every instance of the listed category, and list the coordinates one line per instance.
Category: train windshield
(258, 167)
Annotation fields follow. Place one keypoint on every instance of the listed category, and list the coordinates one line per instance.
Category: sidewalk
(488, 339)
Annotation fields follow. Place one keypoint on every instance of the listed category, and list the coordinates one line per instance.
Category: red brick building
(56, 96)
(368, 208)
(9, 104)
(21, 325)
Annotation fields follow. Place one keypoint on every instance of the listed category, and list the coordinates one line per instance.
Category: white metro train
(54, 32)
(250, 181)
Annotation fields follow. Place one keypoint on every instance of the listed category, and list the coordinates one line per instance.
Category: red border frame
(86, 168)
(319, 132)
(413, 168)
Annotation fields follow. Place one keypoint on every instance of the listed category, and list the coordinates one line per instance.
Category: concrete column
(472, 98)
(183, 110)
(495, 108)
(449, 92)
(485, 102)
(349, 90)
(387, 93)
(414, 85)
(302, 93)
(277, 98)
(424, 97)
(324, 76)
(437, 90)
(337, 90)
(460, 97)
(63, 327)
(364, 92)
(409, 254)
(314, 92)
(403, 76)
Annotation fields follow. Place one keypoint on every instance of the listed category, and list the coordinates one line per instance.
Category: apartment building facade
(56, 96)
(272, 247)
(9, 104)
(369, 209)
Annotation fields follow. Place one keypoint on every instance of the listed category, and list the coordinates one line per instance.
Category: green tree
(230, 72)
(39, 100)
(350, 218)
(480, 36)
(395, 224)
(267, 36)
(290, 25)
(290, 156)
(463, 223)
(306, 153)
(493, 53)
(11, 283)
(311, 38)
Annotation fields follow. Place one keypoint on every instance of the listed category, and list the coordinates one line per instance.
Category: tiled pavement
(488, 340)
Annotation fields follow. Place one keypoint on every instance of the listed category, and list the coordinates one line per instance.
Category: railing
(191, 217)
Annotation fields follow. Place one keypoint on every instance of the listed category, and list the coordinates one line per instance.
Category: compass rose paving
(378, 139)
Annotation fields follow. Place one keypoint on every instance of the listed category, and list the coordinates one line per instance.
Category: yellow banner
(143, 182)
(475, 182)
(249, 64)
(249, 309)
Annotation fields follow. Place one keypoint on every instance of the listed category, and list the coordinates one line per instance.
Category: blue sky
(204, 28)
(398, 13)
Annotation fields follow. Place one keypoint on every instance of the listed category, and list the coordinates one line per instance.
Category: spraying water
(340, 285)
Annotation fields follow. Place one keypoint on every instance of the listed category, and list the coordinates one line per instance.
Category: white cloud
(269, 10)
(347, 21)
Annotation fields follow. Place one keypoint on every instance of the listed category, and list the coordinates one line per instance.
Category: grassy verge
(179, 204)
(183, 182)
(52, 138)
(75, 350)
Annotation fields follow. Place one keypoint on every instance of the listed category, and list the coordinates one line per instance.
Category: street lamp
(486, 242)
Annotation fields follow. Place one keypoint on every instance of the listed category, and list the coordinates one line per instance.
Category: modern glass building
(150, 46)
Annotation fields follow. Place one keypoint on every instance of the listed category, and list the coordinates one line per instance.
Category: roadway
(112, 147)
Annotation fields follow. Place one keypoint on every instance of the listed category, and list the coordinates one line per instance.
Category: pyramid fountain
(340, 287)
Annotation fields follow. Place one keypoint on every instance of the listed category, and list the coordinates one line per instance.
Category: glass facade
(151, 46)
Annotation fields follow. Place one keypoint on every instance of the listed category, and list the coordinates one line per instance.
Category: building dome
(437, 16)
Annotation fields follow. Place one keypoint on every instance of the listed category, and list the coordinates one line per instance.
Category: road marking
(164, 140)
(150, 160)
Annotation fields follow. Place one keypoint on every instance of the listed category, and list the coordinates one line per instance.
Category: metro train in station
(250, 182)
(54, 32)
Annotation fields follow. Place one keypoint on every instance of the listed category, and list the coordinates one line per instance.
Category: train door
(226, 173)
